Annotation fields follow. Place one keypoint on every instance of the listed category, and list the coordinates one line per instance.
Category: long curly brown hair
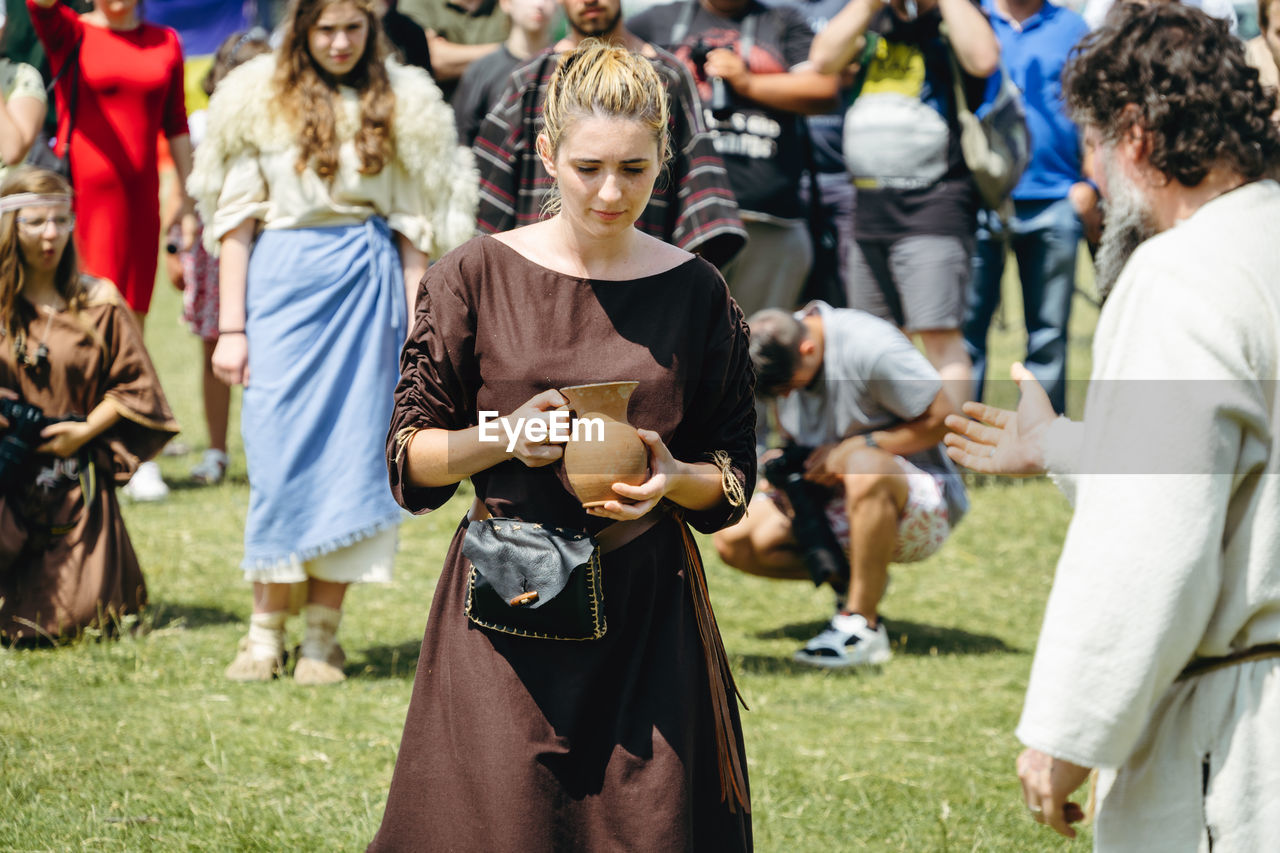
(1182, 77)
(12, 269)
(307, 92)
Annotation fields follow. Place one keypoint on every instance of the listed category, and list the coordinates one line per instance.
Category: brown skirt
(543, 745)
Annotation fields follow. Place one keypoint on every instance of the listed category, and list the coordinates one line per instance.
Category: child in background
(70, 347)
(195, 272)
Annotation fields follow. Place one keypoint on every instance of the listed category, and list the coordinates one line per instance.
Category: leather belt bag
(540, 581)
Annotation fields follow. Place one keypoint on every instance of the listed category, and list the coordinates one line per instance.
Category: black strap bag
(55, 154)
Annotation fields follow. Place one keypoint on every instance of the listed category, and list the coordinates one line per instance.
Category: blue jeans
(1044, 237)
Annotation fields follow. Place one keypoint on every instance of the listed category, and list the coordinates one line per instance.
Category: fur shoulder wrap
(245, 120)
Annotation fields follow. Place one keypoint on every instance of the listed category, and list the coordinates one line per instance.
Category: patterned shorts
(200, 292)
(923, 526)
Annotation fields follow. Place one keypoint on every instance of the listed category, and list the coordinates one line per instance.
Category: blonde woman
(69, 347)
(630, 737)
(327, 179)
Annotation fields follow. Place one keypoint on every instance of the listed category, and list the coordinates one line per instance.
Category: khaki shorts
(929, 273)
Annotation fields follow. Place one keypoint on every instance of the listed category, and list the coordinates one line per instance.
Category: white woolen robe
(1173, 552)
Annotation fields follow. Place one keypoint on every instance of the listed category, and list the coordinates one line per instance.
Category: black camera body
(819, 548)
(20, 440)
(721, 105)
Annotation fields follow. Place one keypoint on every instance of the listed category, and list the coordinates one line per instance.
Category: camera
(21, 439)
(720, 104)
(819, 548)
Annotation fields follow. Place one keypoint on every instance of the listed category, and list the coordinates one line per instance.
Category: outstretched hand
(998, 441)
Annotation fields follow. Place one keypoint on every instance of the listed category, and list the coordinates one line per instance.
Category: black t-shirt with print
(826, 130)
(760, 146)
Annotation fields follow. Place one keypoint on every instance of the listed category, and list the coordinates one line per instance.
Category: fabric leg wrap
(321, 631)
(266, 635)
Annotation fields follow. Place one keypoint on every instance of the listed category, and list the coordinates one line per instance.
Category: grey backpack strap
(681, 27)
(747, 39)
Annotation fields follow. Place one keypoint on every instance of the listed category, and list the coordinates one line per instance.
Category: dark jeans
(1044, 237)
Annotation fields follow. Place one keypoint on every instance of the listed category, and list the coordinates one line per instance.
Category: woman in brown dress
(632, 740)
(70, 347)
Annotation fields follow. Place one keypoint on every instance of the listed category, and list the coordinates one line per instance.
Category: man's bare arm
(449, 59)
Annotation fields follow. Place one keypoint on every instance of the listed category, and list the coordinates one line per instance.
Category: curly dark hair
(1181, 76)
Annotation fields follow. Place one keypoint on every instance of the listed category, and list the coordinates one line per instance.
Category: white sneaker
(211, 468)
(847, 641)
(146, 484)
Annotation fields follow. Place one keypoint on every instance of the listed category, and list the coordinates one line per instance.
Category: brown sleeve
(721, 415)
(438, 378)
(130, 383)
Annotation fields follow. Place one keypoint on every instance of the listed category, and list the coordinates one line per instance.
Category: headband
(20, 200)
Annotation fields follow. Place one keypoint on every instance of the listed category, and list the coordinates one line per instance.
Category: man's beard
(602, 26)
(1128, 225)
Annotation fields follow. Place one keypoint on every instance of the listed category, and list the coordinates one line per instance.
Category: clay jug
(595, 458)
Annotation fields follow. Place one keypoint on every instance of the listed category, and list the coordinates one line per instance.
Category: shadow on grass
(774, 665)
(187, 484)
(399, 662)
(917, 638)
(907, 638)
(172, 614)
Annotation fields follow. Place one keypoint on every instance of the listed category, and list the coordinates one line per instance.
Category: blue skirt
(325, 320)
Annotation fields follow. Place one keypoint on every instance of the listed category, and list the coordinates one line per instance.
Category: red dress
(130, 90)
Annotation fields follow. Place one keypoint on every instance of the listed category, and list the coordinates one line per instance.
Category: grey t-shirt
(872, 378)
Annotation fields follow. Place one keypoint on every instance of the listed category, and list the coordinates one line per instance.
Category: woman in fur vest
(328, 178)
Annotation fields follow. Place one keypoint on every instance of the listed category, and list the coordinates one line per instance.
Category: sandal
(211, 468)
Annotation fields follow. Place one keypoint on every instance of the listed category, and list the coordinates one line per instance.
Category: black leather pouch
(532, 580)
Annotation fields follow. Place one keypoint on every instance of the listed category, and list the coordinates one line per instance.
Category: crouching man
(854, 389)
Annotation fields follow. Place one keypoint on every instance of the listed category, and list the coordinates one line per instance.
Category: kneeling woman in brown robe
(630, 740)
(70, 347)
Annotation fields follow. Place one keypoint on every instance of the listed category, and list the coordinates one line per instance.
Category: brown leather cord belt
(733, 779)
(1204, 665)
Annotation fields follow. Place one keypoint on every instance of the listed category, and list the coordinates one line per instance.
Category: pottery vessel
(596, 459)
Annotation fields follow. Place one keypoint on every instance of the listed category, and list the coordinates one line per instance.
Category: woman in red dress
(128, 90)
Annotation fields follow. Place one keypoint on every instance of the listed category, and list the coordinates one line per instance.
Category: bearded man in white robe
(1159, 659)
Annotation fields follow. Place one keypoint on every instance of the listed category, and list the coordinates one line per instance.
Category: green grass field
(139, 744)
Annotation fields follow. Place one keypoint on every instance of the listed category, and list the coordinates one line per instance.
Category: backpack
(997, 145)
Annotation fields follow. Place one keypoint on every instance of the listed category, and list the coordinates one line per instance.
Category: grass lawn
(139, 744)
